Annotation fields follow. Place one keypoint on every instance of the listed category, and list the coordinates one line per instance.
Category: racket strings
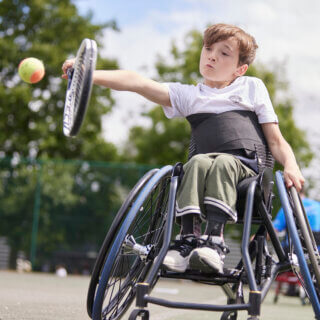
(78, 94)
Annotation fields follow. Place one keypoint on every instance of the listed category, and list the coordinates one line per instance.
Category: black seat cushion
(264, 188)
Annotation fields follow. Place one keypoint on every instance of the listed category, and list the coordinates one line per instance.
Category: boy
(229, 114)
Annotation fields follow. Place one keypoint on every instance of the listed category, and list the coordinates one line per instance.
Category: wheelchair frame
(258, 278)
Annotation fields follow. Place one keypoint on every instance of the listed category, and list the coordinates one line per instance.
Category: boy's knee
(225, 161)
(199, 160)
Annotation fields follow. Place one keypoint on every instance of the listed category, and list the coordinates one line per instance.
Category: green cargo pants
(211, 179)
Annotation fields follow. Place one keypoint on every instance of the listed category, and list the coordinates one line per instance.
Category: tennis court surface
(41, 296)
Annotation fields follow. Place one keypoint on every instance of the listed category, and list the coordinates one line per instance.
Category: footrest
(228, 275)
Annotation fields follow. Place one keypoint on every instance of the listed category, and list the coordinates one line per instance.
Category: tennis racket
(79, 87)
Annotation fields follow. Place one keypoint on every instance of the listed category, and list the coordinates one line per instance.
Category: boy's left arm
(283, 153)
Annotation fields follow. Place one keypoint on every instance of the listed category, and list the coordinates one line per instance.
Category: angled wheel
(112, 232)
(133, 249)
(308, 242)
(301, 243)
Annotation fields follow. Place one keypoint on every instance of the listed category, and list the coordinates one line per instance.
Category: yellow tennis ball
(31, 70)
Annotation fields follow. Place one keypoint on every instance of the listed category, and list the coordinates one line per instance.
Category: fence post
(36, 212)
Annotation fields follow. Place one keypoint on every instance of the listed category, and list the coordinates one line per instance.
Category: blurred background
(58, 195)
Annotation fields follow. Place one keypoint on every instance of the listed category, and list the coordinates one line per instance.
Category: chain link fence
(57, 212)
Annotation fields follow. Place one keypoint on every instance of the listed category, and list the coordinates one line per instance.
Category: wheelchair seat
(264, 179)
(263, 193)
(140, 237)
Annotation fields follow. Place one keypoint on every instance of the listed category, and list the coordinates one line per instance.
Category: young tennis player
(230, 114)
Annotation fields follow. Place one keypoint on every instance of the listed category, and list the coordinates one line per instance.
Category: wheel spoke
(132, 261)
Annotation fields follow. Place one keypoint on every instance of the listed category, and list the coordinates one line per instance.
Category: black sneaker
(209, 255)
(177, 258)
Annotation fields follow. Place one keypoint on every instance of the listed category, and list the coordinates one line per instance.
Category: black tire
(297, 243)
(307, 240)
(126, 206)
(124, 266)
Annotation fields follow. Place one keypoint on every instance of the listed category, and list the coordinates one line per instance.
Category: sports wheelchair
(130, 260)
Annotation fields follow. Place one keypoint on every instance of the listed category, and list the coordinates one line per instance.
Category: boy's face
(219, 63)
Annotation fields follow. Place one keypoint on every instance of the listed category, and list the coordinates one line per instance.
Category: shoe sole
(196, 262)
(174, 267)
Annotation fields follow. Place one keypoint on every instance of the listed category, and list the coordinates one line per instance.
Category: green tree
(77, 202)
(31, 126)
(166, 141)
(31, 115)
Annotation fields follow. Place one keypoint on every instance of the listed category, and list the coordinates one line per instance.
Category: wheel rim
(122, 213)
(146, 229)
(308, 246)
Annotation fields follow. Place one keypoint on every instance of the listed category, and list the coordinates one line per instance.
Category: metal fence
(56, 212)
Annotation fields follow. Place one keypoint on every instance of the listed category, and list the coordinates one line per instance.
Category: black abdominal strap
(234, 132)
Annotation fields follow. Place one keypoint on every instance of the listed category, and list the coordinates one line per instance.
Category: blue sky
(128, 12)
(287, 32)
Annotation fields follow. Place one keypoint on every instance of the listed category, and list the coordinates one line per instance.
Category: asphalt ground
(41, 296)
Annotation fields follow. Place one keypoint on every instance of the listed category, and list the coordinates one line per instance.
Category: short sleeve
(180, 96)
(263, 105)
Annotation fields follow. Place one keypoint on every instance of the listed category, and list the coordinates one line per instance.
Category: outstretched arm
(283, 153)
(124, 80)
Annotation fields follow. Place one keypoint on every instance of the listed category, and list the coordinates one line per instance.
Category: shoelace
(184, 245)
(220, 247)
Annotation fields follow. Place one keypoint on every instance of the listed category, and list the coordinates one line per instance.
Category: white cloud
(286, 31)
(136, 48)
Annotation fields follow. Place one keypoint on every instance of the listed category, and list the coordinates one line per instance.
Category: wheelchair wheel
(299, 235)
(133, 249)
(123, 211)
(307, 240)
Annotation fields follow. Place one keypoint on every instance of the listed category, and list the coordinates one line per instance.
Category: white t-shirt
(244, 93)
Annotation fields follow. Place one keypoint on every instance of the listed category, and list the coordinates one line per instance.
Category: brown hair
(247, 43)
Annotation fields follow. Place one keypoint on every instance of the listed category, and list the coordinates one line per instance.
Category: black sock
(216, 220)
(191, 224)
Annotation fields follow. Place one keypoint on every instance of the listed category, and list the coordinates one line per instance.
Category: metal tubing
(229, 292)
(297, 244)
(142, 290)
(259, 262)
(246, 236)
(255, 303)
(168, 230)
(196, 306)
(267, 284)
(273, 235)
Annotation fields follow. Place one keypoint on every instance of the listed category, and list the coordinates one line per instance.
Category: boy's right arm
(123, 80)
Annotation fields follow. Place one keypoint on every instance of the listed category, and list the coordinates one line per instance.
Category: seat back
(192, 147)
(264, 157)
(265, 162)
(263, 193)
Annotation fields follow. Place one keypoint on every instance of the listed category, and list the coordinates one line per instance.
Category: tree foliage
(31, 127)
(31, 115)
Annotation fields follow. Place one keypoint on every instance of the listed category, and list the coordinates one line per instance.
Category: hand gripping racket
(79, 87)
